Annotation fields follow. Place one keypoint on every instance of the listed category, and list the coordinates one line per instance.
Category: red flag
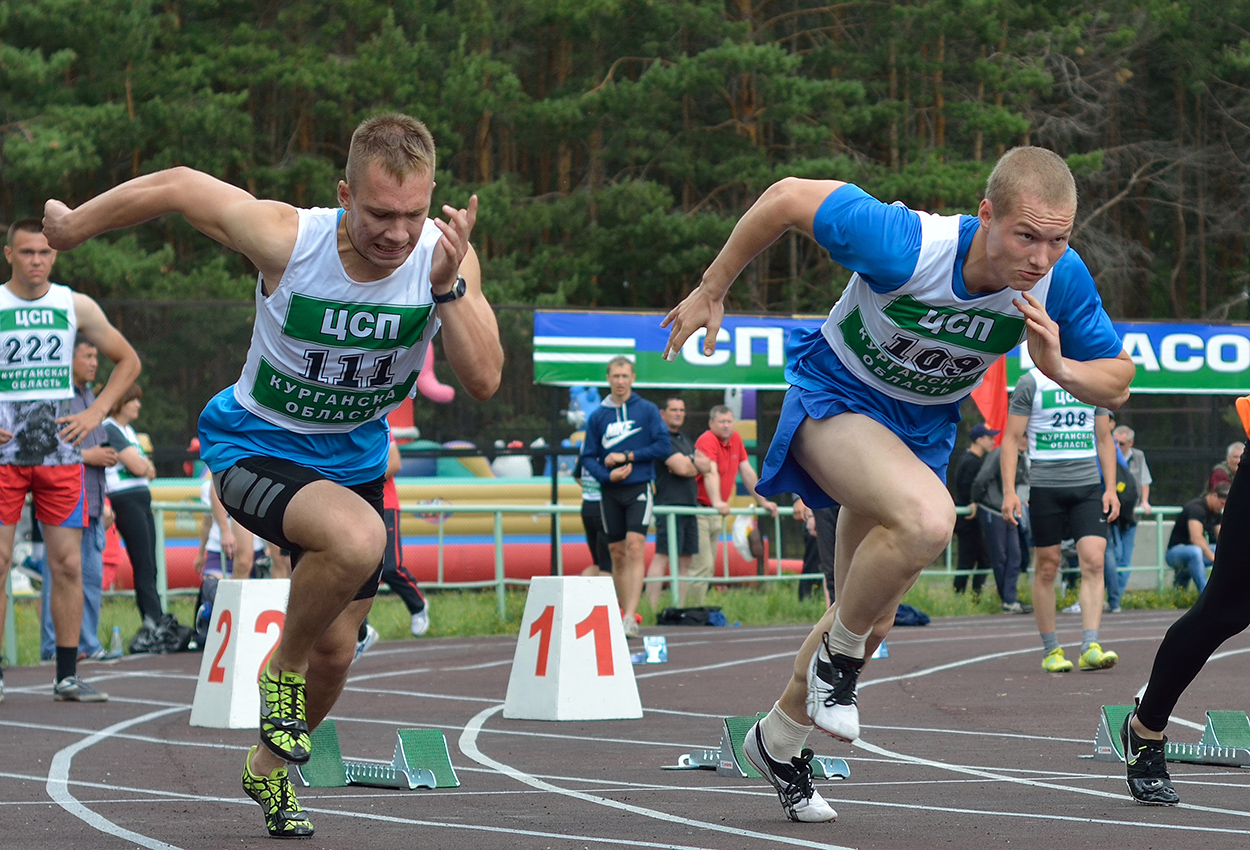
(991, 397)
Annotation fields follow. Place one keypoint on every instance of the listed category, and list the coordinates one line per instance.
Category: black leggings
(137, 528)
(1223, 610)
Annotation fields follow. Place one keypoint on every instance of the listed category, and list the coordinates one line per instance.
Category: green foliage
(614, 143)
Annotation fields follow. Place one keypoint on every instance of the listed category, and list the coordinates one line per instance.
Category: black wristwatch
(457, 291)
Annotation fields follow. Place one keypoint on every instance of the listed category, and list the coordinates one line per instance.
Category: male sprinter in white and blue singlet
(869, 421)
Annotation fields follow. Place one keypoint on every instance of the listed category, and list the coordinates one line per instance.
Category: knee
(361, 542)
(930, 527)
(1045, 569)
(333, 656)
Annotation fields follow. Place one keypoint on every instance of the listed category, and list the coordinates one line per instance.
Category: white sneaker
(1074, 608)
(831, 682)
(795, 788)
(421, 621)
(370, 638)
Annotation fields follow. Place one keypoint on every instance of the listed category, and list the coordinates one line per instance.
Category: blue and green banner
(1175, 357)
(573, 348)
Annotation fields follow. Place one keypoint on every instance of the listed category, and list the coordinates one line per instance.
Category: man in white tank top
(869, 420)
(39, 436)
(347, 301)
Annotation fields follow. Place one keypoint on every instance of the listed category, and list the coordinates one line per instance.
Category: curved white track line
(1035, 783)
(468, 746)
(58, 782)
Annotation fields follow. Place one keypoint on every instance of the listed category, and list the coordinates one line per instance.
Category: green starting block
(1225, 740)
(729, 760)
(421, 760)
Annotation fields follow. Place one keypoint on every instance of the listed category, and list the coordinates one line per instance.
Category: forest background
(614, 143)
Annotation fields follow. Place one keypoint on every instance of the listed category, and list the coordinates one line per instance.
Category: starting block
(729, 760)
(421, 760)
(1225, 740)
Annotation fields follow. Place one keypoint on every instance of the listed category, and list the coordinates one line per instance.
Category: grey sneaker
(793, 781)
(420, 623)
(74, 689)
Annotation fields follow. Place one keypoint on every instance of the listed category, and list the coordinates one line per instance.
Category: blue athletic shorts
(821, 387)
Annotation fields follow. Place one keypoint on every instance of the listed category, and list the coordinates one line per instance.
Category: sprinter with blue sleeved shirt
(933, 302)
(623, 437)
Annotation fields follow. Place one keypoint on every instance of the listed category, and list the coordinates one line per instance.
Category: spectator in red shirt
(721, 446)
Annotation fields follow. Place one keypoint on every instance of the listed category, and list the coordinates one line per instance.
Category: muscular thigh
(866, 468)
(259, 494)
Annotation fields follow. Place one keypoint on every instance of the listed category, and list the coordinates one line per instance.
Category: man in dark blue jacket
(623, 437)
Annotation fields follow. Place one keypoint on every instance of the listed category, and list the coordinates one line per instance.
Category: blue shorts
(821, 387)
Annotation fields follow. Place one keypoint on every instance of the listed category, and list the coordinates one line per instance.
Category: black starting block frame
(729, 760)
(421, 760)
(1225, 740)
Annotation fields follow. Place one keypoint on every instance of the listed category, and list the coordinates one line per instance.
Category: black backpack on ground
(164, 636)
(1126, 488)
(708, 616)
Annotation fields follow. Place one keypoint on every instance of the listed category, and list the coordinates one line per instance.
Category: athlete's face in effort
(620, 381)
(31, 257)
(384, 214)
(1023, 244)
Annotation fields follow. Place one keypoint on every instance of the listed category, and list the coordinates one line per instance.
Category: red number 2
(217, 673)
(263, 622)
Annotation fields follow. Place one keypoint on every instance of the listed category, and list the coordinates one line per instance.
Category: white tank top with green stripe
(921, 342)
(329, 354)
(1060, 427)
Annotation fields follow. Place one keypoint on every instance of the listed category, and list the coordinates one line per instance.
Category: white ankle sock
(783, 735)
(844, 641)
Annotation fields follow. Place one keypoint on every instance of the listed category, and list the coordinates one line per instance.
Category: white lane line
(145, 739)
(165, 796)
(58, 782)
(1067, 818)
(503, 830)
(682, 671)
(1034, 783)
(468, 746)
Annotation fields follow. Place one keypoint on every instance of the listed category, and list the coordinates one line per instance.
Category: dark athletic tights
(1222, 611)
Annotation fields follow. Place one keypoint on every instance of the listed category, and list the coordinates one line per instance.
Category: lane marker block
(248, 616)
(729, 760)
(572, 659)
(1225, 740)
(421, 760)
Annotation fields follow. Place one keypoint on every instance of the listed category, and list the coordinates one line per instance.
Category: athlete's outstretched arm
(792, 202)
(263, 231)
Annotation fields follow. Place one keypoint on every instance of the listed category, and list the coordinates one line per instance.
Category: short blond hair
(1030, 171)
(401, 144)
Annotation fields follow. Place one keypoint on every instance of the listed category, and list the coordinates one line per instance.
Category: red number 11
(596, 622)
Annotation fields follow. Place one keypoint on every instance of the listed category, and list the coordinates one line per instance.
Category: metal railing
(666, 513)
